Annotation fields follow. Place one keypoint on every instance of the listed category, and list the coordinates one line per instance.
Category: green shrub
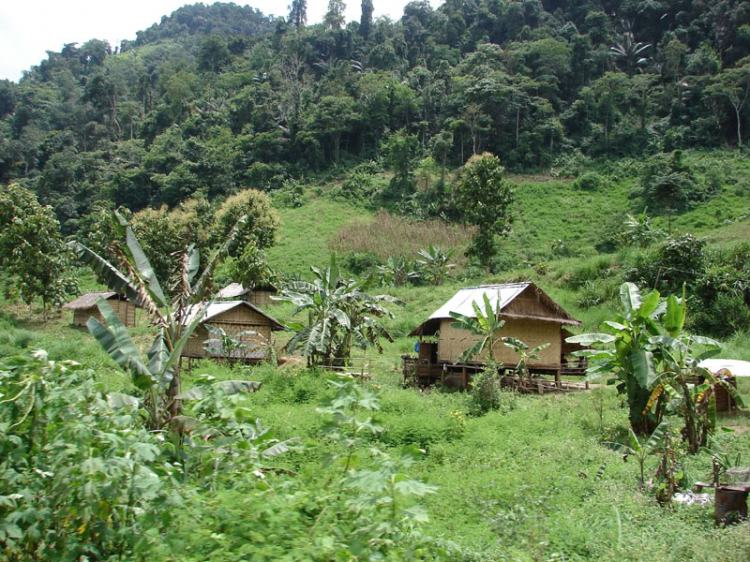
(591, 181)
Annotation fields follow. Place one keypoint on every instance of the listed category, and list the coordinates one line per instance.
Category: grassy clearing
(388, 235)
(305, 234)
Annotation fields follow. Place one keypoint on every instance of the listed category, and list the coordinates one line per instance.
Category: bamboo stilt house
(530, 315)
(260, 295)
(241, 321)
(84, 307)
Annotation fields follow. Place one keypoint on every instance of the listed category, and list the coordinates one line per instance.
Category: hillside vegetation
(370, 170)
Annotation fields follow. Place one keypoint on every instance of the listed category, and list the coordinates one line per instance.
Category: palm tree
(340, 315)
(629, 50)
(486, 324)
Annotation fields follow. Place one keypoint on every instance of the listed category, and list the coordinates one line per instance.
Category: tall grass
(389, 235)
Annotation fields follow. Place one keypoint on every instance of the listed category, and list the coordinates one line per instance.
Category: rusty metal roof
(89, 300)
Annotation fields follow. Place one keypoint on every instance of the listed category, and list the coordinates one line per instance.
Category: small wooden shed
(529, 313)
(260, 295)
(84, 307)
(234, 317)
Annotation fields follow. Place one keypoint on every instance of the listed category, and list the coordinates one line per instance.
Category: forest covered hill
(215, 99)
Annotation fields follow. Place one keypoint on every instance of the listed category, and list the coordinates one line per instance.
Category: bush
(591, 181)
(486, 390)
(358, 263)
(726, 315)
(79, 477)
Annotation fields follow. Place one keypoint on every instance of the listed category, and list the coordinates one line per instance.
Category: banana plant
(641, 450)
(340, 315)
(435, 261)
(158, 376)
(486, 324)
(524, 355)
(629, 359)
(678, 365)
(397, 271)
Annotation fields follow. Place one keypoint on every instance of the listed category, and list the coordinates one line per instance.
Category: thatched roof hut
(529, 313)
(260, 295)
(84, 307)
(236, 318)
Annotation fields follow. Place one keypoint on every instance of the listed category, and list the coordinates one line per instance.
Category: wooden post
(558, 381)
(463, 372)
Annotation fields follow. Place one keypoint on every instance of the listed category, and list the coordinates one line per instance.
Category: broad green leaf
(140, 262)
(702, 340)
(674, 319)
(113, 277)
(414, 487)
(281, 448)
(656, 437)
(117, 400)
(618, 448)
(643, 367)
(588, 339)
(648, 305)
(630, 297)
(158, 358)
(115, 340)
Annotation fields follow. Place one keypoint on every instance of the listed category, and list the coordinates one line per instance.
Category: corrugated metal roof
(216, 308)
(89, 300)
(504, 293)
(462, 301)
(231, 291)
(736, 367)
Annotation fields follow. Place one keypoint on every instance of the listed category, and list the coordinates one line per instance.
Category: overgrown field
(527, 481)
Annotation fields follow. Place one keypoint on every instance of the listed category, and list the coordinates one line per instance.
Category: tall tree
(734, 85)
(334, 18)
(32, 251)
(486, 198)
(365, 22)
(298, 14)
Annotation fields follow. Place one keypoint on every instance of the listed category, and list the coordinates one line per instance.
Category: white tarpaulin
(734, 366)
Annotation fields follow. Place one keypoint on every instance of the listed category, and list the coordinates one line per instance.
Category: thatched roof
(216, 308)
(504, 294)
(234, 290)
(88, 300)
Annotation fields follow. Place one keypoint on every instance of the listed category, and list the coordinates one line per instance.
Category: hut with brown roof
(240, 320)
(84, 307)
(260, 295)
(530, 315)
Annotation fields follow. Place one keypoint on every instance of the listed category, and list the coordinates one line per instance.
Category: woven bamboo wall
(527, 303)
(454, 341)
(233, 322)
(125, 312)
(261, 299)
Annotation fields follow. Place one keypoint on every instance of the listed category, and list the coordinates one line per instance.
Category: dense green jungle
(368, 170)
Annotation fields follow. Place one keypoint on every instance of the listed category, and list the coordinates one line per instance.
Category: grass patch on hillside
(390, 235)
(305, 234)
